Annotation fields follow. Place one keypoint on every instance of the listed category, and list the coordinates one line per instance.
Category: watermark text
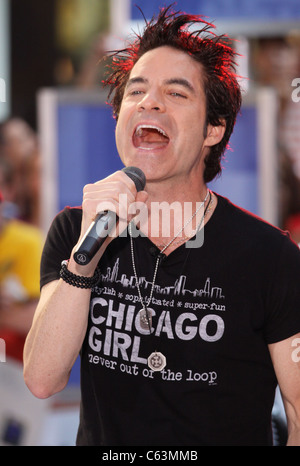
(2, 90)
(296, 351)
(296, 91)
(163, 220)
(2, 350)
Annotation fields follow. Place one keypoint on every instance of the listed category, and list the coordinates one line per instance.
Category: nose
(152, 100)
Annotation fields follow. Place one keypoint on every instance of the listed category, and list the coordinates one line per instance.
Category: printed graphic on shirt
(116, 333)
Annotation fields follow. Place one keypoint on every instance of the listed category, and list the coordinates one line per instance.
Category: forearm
(293, 425)
(58, 330)
(55, 338)
(293, 437)
(287, 368)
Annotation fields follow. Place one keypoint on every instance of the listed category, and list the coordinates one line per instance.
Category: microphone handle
(91, 241)
(104, 223)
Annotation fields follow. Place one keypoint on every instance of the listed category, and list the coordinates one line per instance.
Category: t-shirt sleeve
(283, 301)
(62, 236)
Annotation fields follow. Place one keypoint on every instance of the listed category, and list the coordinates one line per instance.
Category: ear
(214, 134)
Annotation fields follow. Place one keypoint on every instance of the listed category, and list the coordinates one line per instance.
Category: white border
(268, 164)
(47, 128)
(4, 59)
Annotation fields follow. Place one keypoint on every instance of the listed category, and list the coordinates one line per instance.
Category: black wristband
(78, 280)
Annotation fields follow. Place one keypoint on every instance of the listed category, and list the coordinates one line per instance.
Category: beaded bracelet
(78, 280)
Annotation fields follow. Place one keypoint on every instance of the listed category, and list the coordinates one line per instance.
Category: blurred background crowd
(60, 44)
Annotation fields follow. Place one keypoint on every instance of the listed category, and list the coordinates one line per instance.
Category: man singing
(179, 345)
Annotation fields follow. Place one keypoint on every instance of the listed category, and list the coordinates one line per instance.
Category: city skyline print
(178, 289)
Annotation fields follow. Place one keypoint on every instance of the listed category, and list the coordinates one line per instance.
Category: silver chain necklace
(157, 361)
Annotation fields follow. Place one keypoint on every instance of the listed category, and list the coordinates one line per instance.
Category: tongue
(150, 138)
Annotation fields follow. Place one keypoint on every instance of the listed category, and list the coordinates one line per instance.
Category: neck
(174, 192)
(175, 215)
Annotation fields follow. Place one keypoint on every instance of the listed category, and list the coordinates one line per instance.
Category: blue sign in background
(215, 9)
(86, 148)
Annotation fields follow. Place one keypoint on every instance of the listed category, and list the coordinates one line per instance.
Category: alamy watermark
(2, 90)
(181, 221)
(2, 350)
(296, 92)
(296, 351)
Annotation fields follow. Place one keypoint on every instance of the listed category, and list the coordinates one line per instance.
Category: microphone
(104, 223)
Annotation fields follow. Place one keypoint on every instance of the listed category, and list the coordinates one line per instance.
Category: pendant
(157, 361)
(145, 319)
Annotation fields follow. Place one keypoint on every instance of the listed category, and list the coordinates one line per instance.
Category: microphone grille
(137, 176)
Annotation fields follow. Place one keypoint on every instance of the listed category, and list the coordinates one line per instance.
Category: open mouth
(149, 137)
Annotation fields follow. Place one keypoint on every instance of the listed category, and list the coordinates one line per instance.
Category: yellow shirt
(20, 253)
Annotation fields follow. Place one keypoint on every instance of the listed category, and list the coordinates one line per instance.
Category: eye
(135, 92)
(178, 94)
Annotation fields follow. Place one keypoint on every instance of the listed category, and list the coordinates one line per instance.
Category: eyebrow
(136, 80)
(180, 81)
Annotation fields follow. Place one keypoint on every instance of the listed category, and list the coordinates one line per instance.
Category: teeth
(140, 128)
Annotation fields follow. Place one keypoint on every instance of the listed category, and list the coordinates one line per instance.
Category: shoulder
(69, 214)
(68, 220)
(245, 223)
(263, 243)
(64, 231)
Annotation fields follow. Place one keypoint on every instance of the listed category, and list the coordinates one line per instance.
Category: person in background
(19, 146)
(20, 253)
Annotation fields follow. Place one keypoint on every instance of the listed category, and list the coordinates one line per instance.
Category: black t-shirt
(214, 311)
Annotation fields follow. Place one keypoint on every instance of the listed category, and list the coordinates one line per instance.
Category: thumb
(141, 197)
